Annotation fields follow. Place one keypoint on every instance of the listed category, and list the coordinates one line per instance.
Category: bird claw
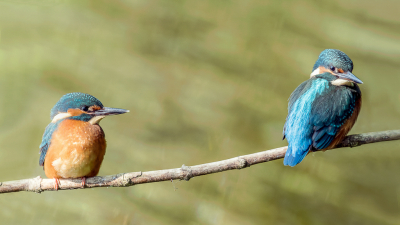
(56, 183)
(83, 183)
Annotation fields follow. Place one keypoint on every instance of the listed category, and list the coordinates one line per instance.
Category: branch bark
(39, 185)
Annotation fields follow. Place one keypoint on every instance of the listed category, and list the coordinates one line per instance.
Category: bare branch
(185, 172)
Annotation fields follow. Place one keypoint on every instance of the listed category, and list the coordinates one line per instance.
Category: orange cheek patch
(340, 70)
(324, 70)
(94, 108)
(75, 112)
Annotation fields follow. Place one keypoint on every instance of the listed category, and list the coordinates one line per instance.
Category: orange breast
(77, 149)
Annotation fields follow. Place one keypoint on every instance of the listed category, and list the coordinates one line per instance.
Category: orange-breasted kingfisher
(74, 144)
(323, 109)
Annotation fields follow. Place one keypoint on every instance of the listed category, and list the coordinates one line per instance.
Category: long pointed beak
(349, 76)
(106, 111)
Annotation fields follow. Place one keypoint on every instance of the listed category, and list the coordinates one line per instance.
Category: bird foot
(56, 183)
(83, 181)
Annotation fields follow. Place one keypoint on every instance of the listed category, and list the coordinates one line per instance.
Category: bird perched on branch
(73, 144)
(323, 109)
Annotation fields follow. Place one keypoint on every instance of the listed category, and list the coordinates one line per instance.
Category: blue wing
(298, 129)
(299, 91)
(330, 111)
(46, 141)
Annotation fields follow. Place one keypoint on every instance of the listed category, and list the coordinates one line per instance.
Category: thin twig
(39, 185)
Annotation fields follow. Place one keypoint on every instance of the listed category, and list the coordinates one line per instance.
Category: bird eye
(85, 108)
(333, 68)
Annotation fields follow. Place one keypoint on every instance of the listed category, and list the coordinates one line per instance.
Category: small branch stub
(187, 172)
(242, 163)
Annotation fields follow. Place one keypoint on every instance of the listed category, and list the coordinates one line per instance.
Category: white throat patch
(96, 120)
(342, 82)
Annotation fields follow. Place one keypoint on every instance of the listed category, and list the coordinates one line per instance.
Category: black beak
(106, 111)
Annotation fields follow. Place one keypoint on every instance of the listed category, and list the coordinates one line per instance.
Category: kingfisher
(323, 109)
(74, 144)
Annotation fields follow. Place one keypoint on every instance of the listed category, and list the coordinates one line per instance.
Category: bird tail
(293, 159)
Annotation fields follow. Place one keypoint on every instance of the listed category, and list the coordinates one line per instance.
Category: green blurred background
(205, 81)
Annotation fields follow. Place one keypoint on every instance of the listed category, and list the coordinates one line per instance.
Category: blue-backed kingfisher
(323, 109)
(74, 144)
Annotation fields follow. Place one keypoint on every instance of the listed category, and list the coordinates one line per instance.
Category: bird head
(338, 64)
(80, 106)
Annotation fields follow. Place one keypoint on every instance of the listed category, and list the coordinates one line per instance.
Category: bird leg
(56, 183)
(83, 181)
